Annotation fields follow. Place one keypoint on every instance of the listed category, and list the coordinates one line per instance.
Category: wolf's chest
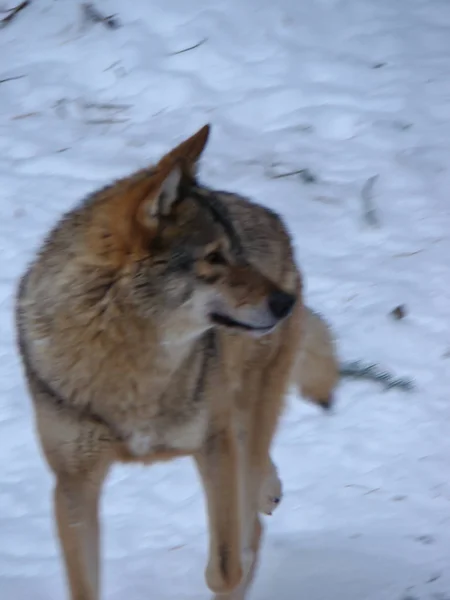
(163, 404)
(164, 435)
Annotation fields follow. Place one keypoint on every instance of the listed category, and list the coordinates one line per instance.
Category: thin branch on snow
(91, 13)
(200, 43)
(12, 78)
(288, 174)
(105, 121)
(370, 214)
(306, 175)
(371, 372)
(106, 106)
(25, 116)
(13, 12)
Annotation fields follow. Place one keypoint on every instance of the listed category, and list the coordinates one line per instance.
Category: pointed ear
(188, 153)
(161, 197)
(166, 195)
(153, 194)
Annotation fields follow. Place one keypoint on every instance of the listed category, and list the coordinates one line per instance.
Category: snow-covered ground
(347, 89)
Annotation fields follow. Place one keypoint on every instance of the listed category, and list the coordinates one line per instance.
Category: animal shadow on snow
(333, 566)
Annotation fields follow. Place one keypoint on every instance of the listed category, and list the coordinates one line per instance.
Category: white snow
(347, 89)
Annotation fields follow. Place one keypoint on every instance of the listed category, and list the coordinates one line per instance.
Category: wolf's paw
(271, 491)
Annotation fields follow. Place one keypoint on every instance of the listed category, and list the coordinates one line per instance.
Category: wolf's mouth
(229, 322)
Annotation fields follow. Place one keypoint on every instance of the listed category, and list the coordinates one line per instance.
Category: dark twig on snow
(288, 174)
(25, 116)
(107, 106)
(200, 43)
(91, 13)
(371, 372)
(105, 121)
(13, 12)
(306, 175)
(11, 78)
(369, 212)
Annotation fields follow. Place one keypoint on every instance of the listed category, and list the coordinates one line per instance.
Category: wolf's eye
(215, 258)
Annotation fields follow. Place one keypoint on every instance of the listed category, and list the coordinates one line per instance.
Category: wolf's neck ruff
(209, 352)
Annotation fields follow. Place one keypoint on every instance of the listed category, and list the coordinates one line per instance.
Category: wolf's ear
(166, 194)
(163, 189)
(160, 198)
(187, 154)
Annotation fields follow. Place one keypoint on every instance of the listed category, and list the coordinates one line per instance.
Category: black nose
(281, 303)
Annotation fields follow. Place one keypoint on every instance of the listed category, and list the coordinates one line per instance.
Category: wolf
(162, 318)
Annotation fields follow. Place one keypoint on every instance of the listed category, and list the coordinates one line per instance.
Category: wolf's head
(179, 254)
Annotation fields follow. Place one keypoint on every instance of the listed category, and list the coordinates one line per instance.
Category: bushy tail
(316, 372)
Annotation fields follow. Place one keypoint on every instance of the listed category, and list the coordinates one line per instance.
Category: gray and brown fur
(160, 319)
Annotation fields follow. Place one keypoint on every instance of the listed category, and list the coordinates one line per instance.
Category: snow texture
(342, 91)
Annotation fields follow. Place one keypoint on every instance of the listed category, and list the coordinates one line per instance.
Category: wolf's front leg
(76, 511)
(79, 454)
(249, 504)
(217, 463)
(271, 491)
